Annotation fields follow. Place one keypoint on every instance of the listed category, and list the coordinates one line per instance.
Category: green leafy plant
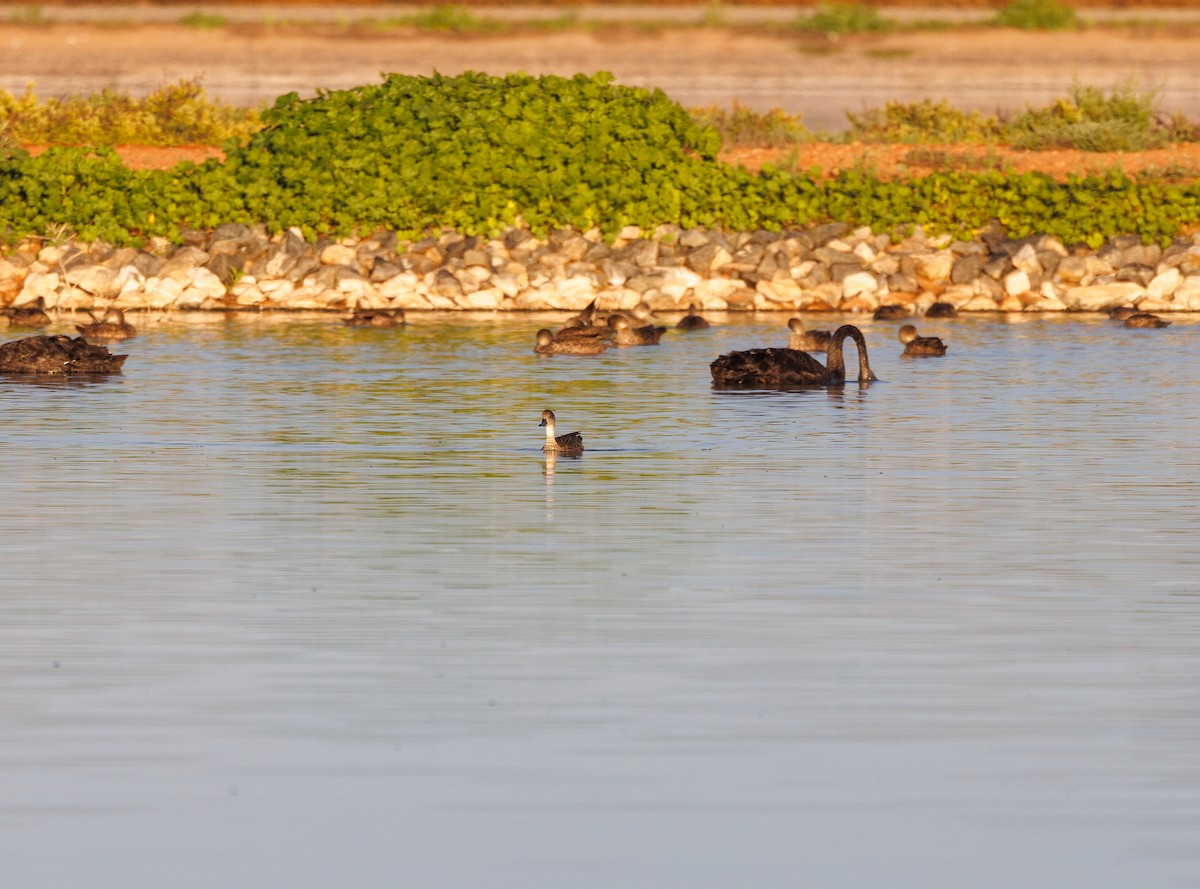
(1036, 15)
(479, 154)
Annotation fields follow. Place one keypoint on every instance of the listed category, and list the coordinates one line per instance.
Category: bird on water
(807, 340)
(789, 368)
(569, 444)
(57, 355)
(920, 345)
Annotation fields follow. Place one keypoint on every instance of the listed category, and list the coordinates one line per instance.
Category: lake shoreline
(828, 268)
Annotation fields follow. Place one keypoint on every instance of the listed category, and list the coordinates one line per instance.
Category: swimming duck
(788, 368)
(628, 335)
(548, 344)
(920, 345)
(376, 318)
(941, 310)
(568, 445)
(807, 340)
(890, 312)
(112, 328)
(57, 355)
(692, 321)
(28, 316)
(1120, 313)
(1145, 319)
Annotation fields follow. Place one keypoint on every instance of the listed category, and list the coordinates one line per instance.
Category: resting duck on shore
(549, 344)
(376, 318)
(692, 321)
(790, 368)
(28, 316)
(920, 345)
(891, 312)
(941, 310)
(1120, 313)
(807, 340)
(1145, 319)
(112, 328)
(57, 355)
(628, 335)
(569, 444)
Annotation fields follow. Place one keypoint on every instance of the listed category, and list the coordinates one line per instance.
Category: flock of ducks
(764, 368)
(60, 354)
(582, 334)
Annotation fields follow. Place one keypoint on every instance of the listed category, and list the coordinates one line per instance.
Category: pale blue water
(292, 605)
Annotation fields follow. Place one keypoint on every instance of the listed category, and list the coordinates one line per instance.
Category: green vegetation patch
(1037, 15)
(480, 154)
(177, 114)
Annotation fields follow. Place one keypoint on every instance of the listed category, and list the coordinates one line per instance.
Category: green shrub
(478, 152)
(845, 18)
(1090, 119)
(177, 114)
(924, 122)
(745, 126)
(1036, 15)
(206, 21)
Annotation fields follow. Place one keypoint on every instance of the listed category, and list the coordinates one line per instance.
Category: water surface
(293, 605)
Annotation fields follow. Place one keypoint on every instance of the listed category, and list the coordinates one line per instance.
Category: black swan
(57, 355)
(788, 368)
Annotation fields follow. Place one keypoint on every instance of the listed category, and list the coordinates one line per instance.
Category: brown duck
(569, 444)
(28, 316)
(1145, 319)
(376, 318)
(628, 335)
(692, 320)
(920, 345)
(57, 355)
(549, 344)
(112, 328)
(791, 368)
(941, 310)
(890, 312)
(807, 340)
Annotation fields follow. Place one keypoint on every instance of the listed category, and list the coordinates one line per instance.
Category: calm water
(293, 605)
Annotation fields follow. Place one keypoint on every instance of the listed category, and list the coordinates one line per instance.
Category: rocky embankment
(827, 268)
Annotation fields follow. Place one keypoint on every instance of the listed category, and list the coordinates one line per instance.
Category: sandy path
(253, 64)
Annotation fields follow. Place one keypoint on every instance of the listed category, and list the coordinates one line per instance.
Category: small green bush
(924, 122)
(177, 114)
(1036, 15)
(745, 126)
(1091, 119)
(845, 18)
